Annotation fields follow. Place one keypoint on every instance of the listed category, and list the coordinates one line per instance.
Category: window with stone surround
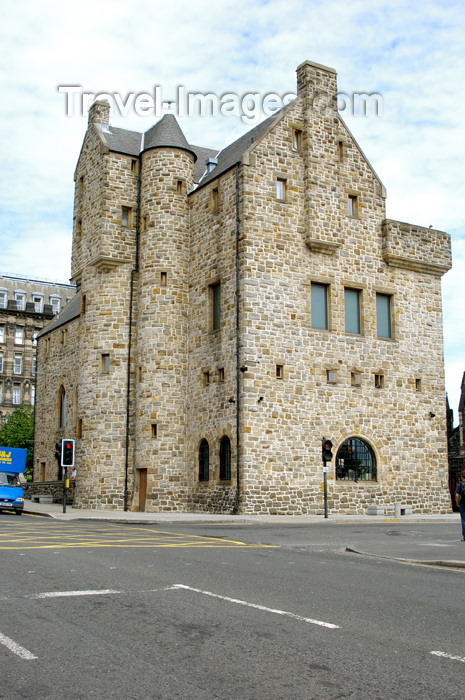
(62, 408)
(383, 316)
(215, 199)
(204, 461)
(154, 428)
(355, 379)
(225, 459)
(221, 375)
(1, 362)
(296, 139)
(214, 322)
(105, 363)
(126, 216)
(418, 384)
(180, 186)
(20, 298)
(352, 298)
(19, 335)
(3, 298)
(163, 279)
(331, 376)
(16, 394)
(319, 305)
(279, 371)
(340, 151)
(281, 189)
(352, 205)
(379, 381)
(2, 334)
(83, 304)
(356, 460)
(206, 378)
(38, 301)
(18, 364)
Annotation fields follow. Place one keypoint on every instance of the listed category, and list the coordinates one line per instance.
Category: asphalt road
(102, 610)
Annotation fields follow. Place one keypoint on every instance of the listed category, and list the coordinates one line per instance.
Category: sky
(411, 54)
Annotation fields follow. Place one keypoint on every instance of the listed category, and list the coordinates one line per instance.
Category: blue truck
(12, 464)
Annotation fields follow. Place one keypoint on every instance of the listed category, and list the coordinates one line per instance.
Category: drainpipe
(238, 364)
(131, 299)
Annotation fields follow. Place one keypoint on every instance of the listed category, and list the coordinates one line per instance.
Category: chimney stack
(99, 113)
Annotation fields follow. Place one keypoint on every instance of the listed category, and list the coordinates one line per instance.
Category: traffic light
(326, 450)
(58, 451)
(67, 453)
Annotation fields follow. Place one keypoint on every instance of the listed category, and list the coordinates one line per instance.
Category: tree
(19, 432)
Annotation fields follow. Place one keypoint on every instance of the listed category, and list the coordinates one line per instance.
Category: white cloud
(411, 53)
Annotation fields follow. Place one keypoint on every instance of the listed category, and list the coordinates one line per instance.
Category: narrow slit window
(83, 304)
(418, 384)
(215, 307)
(296, 139)
(340, 151)
(105, 363)
(179, 186)
(133, 166)
(125, 216)
(163, 279)
(154, 430)
(352, 205)
(281, 189)
(221, 375)
(379, 381)
(206, 378)
(383, 316)
(279, 371)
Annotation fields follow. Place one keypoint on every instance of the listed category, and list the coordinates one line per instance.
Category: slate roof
(233, 153)
(167, 132)
(70, 311)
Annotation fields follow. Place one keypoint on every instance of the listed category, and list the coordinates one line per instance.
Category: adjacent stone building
(234, 309)
(456, 443)
(26, 305)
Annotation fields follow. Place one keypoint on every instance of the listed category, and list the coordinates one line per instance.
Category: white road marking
(329, 625)
(16, 648)
(448, 656)
(64, 594)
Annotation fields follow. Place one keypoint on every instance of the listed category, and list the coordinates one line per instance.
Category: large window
(319, 305)
(20, 298)
(383, 316)
(2, 334)
(352, 311)
(225, 459)
(355, 460)
(18, 365)
(204, 461)
(3, 298)
(17, 394)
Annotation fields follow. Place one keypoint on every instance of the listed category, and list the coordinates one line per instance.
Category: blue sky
(412, 53)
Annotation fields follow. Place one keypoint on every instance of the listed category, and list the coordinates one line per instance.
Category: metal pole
(65, 489)
(325, 489)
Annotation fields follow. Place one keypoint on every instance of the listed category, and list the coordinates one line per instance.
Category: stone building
(26, 305)
(234, 309)
(456, 443)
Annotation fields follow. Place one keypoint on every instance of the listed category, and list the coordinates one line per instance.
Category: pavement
(409, 538)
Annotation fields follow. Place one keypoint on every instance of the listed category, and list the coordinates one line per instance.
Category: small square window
(379, 381)
(355, 378)
(125, 216)
(331, 376)
(352, 205)
(281, 189)
(105, 363)
(279, 371)
(296, 139)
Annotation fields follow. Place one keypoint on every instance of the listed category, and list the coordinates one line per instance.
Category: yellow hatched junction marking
(61, 537)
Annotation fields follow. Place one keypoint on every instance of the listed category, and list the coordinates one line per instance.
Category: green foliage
(19, 432)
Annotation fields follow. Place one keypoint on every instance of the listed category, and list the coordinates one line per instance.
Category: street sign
(325, 470)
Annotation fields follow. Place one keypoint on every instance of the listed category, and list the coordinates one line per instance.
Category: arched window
(62, 423)
(204, 461)
(225, 459)
(355, 460)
